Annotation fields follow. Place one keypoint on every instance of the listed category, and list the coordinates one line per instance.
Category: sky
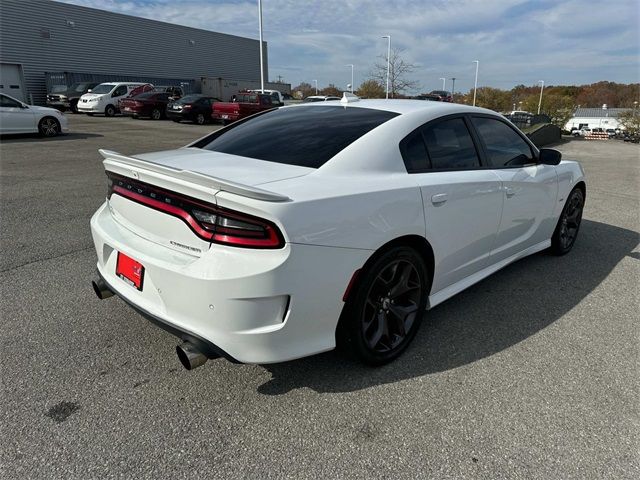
(568, 42)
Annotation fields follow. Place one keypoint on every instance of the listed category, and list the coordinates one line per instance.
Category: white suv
(104, 98)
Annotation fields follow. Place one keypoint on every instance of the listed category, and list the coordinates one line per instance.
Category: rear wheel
(49, 127)
(156, 114)
(200, 119)
(110, 111)
(568, 225)
(383, 314)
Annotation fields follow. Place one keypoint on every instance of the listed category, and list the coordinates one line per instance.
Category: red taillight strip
(170, 209)
(222, 235)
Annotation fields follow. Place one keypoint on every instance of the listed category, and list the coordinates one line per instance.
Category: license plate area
(130, 271)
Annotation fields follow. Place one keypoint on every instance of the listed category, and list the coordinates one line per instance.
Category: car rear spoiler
(115, 158)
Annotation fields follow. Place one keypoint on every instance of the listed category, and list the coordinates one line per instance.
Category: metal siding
(111, 43)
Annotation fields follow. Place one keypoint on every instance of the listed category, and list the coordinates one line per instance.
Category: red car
(242, 104)
(147, 104)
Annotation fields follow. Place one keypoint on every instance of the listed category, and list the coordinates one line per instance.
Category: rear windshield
(303, 136)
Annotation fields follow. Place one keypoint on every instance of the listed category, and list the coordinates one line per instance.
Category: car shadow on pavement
(32, 137)
(491, 316)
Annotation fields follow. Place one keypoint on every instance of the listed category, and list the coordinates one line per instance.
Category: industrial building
(38, 37)
(604, 117)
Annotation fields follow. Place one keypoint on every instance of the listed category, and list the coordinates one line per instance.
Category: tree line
(558, 101)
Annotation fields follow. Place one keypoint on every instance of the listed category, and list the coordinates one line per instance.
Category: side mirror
(24, 105)
(549, 156)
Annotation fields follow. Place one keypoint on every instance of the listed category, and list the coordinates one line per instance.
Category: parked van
(104, 98)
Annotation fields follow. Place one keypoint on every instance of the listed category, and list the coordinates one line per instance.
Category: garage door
(11, 80)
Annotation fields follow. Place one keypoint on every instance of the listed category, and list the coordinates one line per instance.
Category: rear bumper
(227, 117)
(135, 112)
(205, 346)
(251, 306)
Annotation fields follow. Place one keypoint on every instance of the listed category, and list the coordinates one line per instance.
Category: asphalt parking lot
(532, 373)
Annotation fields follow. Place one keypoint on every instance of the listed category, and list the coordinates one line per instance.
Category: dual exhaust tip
(188, 354)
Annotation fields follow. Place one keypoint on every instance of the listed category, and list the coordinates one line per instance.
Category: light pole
(444, 81)
(261, 59)
(541, 82)
(388, 61)
(316, 82)
(453, 87)
(475, 85)
(351, 65)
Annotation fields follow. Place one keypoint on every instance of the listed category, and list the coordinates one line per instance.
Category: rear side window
(8, 102)
(306, 136)
(505, 148)
(450, 146)
(414, 153)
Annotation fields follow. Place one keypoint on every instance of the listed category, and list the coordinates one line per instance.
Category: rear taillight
(207, 221)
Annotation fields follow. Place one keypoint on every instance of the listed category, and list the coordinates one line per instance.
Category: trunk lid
(190, 173)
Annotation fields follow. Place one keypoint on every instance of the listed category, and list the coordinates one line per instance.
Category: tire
(73, 106)
(109, 111)
(566, 232)
(383, 312)
(156, 114)
(200, 120)
(49, 127)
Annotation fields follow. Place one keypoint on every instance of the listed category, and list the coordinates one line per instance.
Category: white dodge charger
(313, 225)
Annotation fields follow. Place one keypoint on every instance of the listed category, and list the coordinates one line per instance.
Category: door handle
(439, 198)
(510, 192)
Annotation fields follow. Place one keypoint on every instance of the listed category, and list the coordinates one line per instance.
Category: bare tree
(399, 72)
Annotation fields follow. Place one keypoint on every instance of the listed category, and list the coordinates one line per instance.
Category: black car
(443, 94)
(68, 99)
(196, 108)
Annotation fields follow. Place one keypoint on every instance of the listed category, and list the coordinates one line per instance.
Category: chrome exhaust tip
(190, 356)
(101, 289)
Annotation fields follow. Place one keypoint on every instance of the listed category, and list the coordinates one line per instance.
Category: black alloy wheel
(156, 114)
(564, 237)
(383, 314)
(200, 119)
(110, 111)
(49, 127)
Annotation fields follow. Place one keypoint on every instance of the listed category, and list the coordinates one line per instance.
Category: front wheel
(200, 119)
(49, 127)
(568, 225)
(73, 106)
(109, 111)
(383, 314)
(156, 114)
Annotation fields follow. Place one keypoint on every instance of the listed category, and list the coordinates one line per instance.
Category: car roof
(402, 106)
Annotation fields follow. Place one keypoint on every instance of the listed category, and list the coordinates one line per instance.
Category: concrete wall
(47, 36)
